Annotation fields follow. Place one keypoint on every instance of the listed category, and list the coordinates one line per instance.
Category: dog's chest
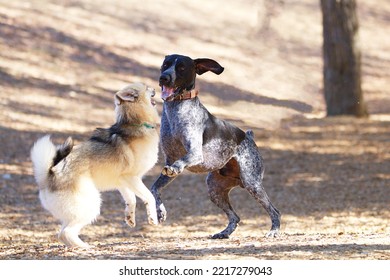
(188, 126)
(144, 153)
(183, 116)
(179, 122)
(171, 142)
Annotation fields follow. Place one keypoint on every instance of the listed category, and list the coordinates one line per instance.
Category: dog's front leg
(178, 166)
(161, 182)
(136, 186)
(194, 156)
(131, 202)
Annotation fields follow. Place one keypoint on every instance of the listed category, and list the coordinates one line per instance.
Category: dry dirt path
(329, 177)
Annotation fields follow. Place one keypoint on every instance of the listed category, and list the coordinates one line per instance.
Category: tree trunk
(342, 66)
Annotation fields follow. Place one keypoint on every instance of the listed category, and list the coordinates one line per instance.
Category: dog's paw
(273, 233)
(130, 221)
(220, 235)
(170, 171)
(130, 215)
(161, 214)
(152, 219)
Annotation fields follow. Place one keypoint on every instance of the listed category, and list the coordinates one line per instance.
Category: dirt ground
(61, 62)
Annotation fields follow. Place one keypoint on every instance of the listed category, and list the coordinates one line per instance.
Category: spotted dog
(194, 139)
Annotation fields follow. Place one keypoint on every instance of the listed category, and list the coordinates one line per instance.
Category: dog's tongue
(167, 92)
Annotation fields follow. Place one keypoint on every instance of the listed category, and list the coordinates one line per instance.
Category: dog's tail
(45, 155)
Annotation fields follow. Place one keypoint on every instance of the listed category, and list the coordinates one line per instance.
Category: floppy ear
(202, 65)
(127, 94)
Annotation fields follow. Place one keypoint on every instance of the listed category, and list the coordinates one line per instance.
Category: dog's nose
(165, 79)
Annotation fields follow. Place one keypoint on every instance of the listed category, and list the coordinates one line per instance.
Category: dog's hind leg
(131, 202)
(219, 187)
(251, 174)
(137, 186)
(69, 235)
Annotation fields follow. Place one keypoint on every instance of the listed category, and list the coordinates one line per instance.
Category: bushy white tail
(42, 155)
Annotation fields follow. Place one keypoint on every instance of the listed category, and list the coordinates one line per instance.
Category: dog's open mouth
(167, 92)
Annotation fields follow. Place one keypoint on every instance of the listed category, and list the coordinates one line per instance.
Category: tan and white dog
(70, 179)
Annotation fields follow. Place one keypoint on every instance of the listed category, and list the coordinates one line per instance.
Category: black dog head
(178, 73)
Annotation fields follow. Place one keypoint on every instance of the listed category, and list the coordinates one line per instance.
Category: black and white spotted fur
(194, 139)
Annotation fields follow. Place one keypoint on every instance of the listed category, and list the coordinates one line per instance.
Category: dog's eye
(182, 68)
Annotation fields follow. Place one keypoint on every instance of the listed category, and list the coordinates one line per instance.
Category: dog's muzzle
(165, 79)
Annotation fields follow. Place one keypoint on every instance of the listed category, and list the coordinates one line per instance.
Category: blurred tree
(342, 59)
(265, 11)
